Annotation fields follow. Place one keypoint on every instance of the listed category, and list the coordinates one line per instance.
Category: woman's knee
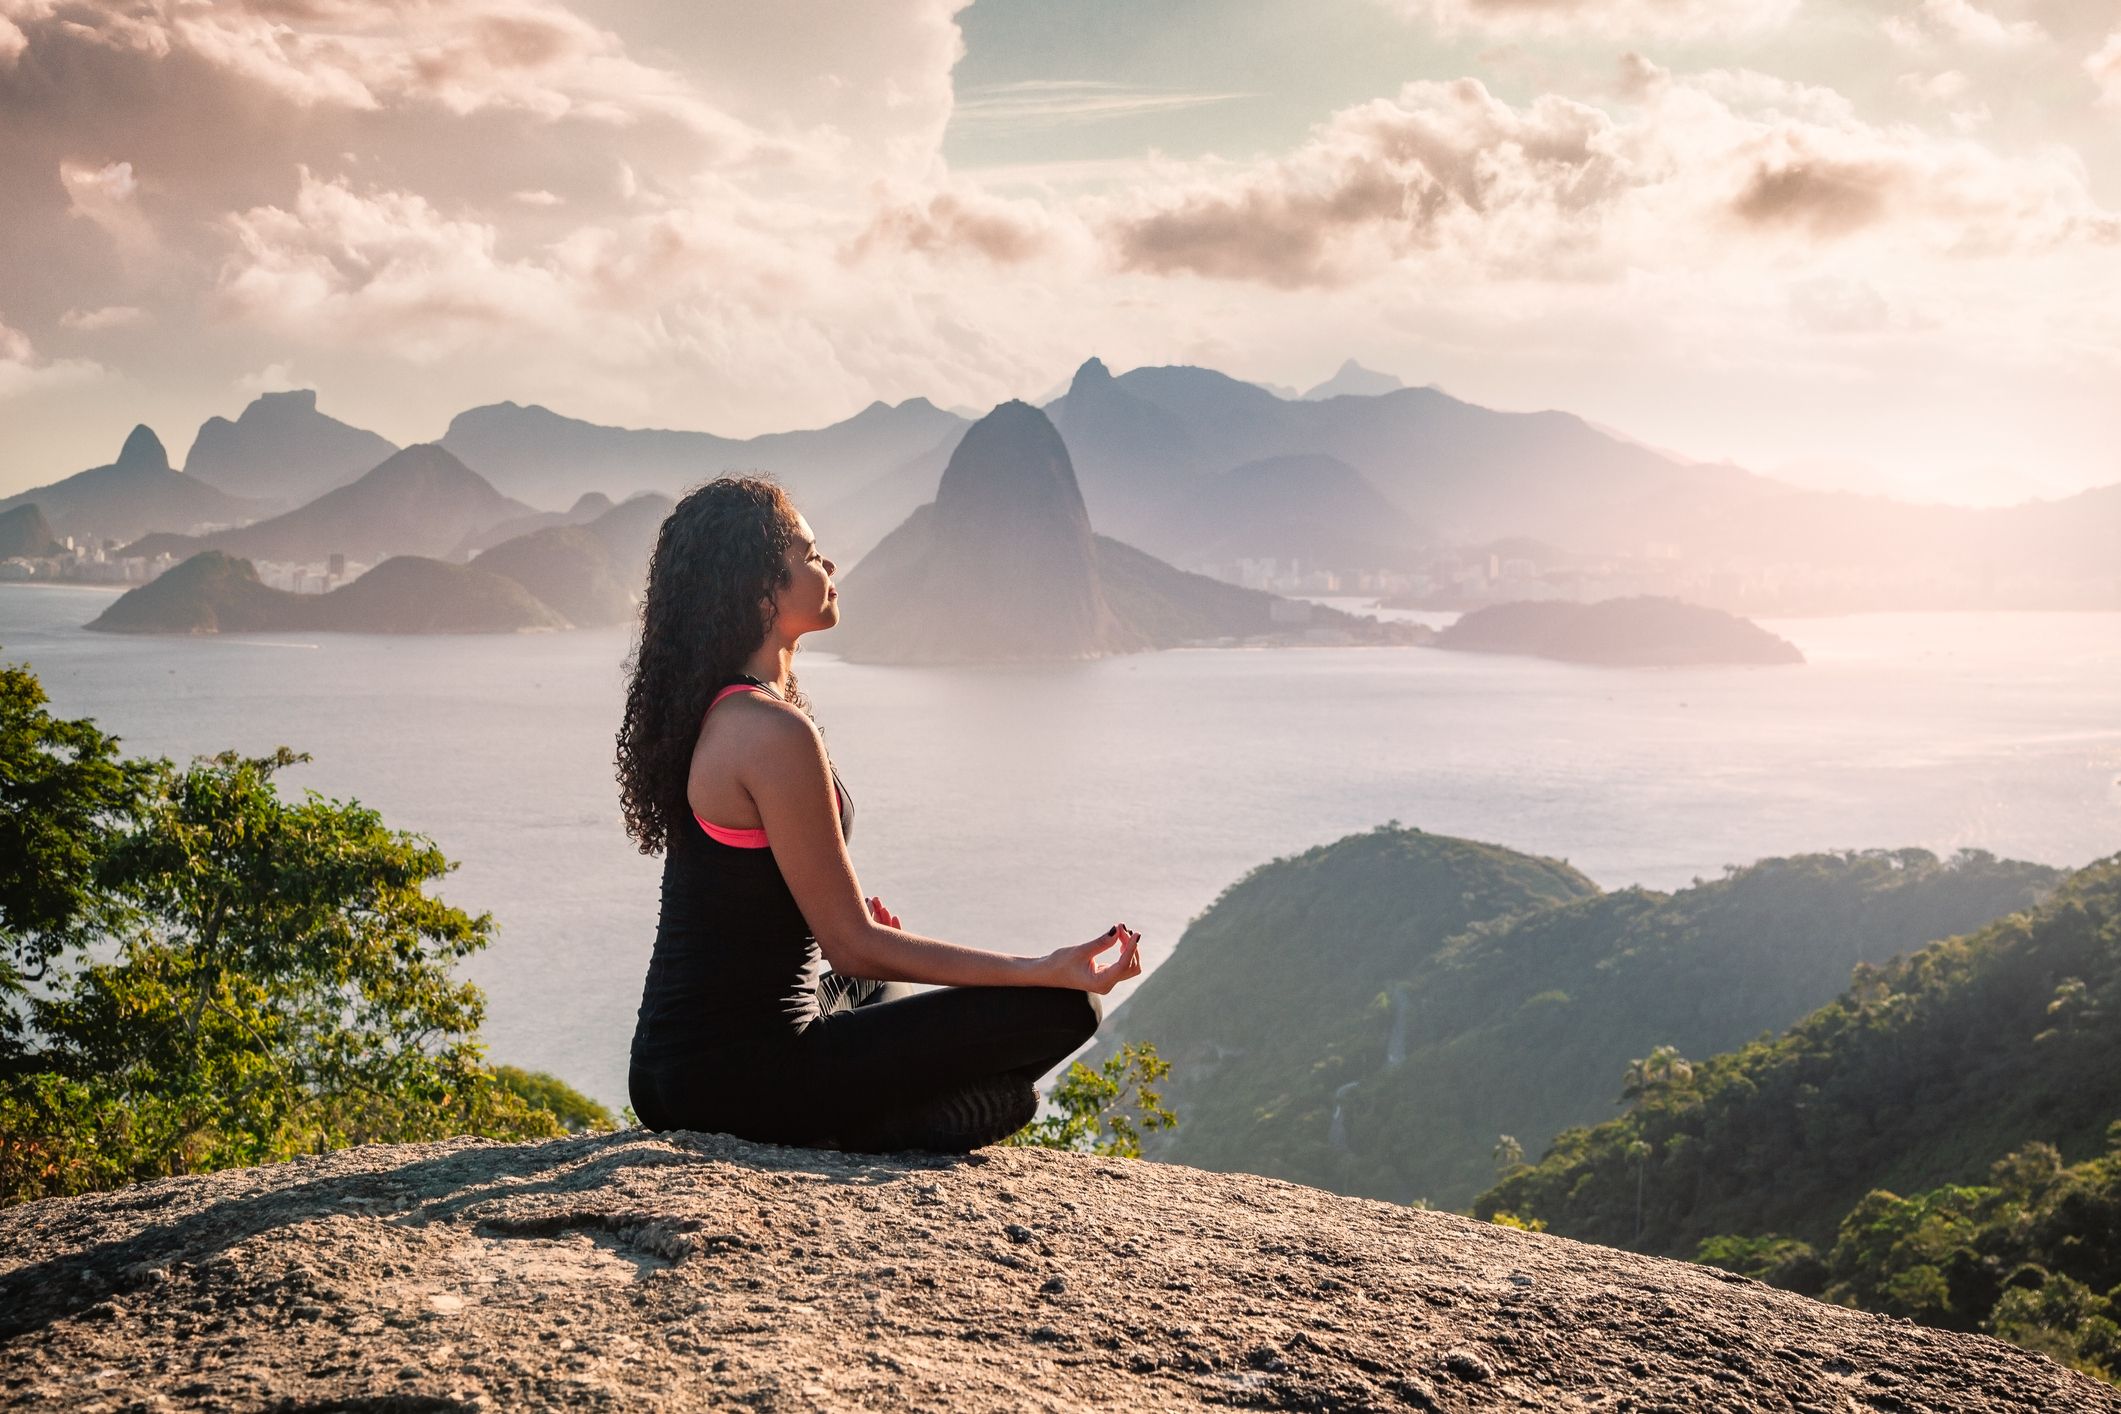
(1076, 1013)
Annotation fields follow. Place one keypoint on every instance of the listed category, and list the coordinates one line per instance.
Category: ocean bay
(1022, 808)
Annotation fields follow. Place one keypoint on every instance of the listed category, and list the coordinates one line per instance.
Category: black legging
(874, 1054)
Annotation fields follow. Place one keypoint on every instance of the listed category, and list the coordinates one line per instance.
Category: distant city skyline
(1866, 244)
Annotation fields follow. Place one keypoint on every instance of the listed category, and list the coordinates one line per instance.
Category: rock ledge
(692, 1271)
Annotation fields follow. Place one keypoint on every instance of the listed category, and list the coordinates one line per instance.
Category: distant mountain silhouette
(569, 568)
(1644, 631)
(422, 501)
(1003, 566)
(629, 532)
(1134, 456)
(591, 505)
(1316, 509)
(1466, 473)
(138, 493)
(213, 592)
(545, 458)
(23, 531)
(282, 450)
(1354, 381)
(1154, 449)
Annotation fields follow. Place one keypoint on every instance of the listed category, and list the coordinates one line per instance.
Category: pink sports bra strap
(742, 839)
(734, 687)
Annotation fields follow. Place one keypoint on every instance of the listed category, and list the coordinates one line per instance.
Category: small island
(1645, 631)
(213, 592)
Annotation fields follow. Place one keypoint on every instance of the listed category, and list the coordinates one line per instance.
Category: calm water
(1023, 808)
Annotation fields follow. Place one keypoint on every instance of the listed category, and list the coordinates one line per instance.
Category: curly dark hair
(717, 564)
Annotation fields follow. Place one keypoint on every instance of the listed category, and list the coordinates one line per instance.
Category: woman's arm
(790, 781)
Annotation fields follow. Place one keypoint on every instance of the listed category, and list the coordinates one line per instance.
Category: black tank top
(735, 964)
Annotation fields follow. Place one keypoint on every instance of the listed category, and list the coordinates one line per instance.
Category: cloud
(1936, 88)
(1388, 179)
(1449, 181)
(2105, 69)
(106, 197)
(532, 56)
(1005, 232)
(1602, 17)
(109, 316)
(1821, 195)
(383, 266)
(1961, 23)
(22, 371)
(537, 197)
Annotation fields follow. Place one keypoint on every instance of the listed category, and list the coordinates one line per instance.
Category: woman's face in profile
(808, 601)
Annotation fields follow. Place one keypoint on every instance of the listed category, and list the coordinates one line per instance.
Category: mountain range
(421, 501)
(1200, 469)
(542, 457)
(138, 493)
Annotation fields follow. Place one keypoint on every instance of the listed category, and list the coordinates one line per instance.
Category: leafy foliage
(60, 781)
(1917, 1078)
(2033, 1256)
(576, 1112)
(1096, 1111)
(199, 973)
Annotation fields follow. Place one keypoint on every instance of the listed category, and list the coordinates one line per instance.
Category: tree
(61, 782)
(576, 1112)
(1094, 1114)
(277, 982)
(1640, 1153)
(1508, 1153)
(1662, 1069)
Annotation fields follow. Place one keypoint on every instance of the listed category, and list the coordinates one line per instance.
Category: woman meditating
(722, 769)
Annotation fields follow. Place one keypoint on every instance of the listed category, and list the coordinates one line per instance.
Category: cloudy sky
(1863, 243)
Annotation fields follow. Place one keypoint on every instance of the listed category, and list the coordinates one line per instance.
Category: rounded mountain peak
(143, 448)
(1010, 467)
(422, 461)
(1092, 374)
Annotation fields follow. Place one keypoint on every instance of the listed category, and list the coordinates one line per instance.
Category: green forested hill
(1527, 1027)
(1923, 1073)
(1442, 1018)
(1246, 1004)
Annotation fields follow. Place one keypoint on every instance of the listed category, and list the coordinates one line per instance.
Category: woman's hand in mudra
(880, 913)
(1080, 967)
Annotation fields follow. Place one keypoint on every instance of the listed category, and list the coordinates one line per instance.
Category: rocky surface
(689, 1271)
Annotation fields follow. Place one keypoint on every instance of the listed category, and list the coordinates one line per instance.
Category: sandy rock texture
(692, 1271)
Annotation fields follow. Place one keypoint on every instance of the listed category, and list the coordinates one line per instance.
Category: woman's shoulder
(760, 714)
